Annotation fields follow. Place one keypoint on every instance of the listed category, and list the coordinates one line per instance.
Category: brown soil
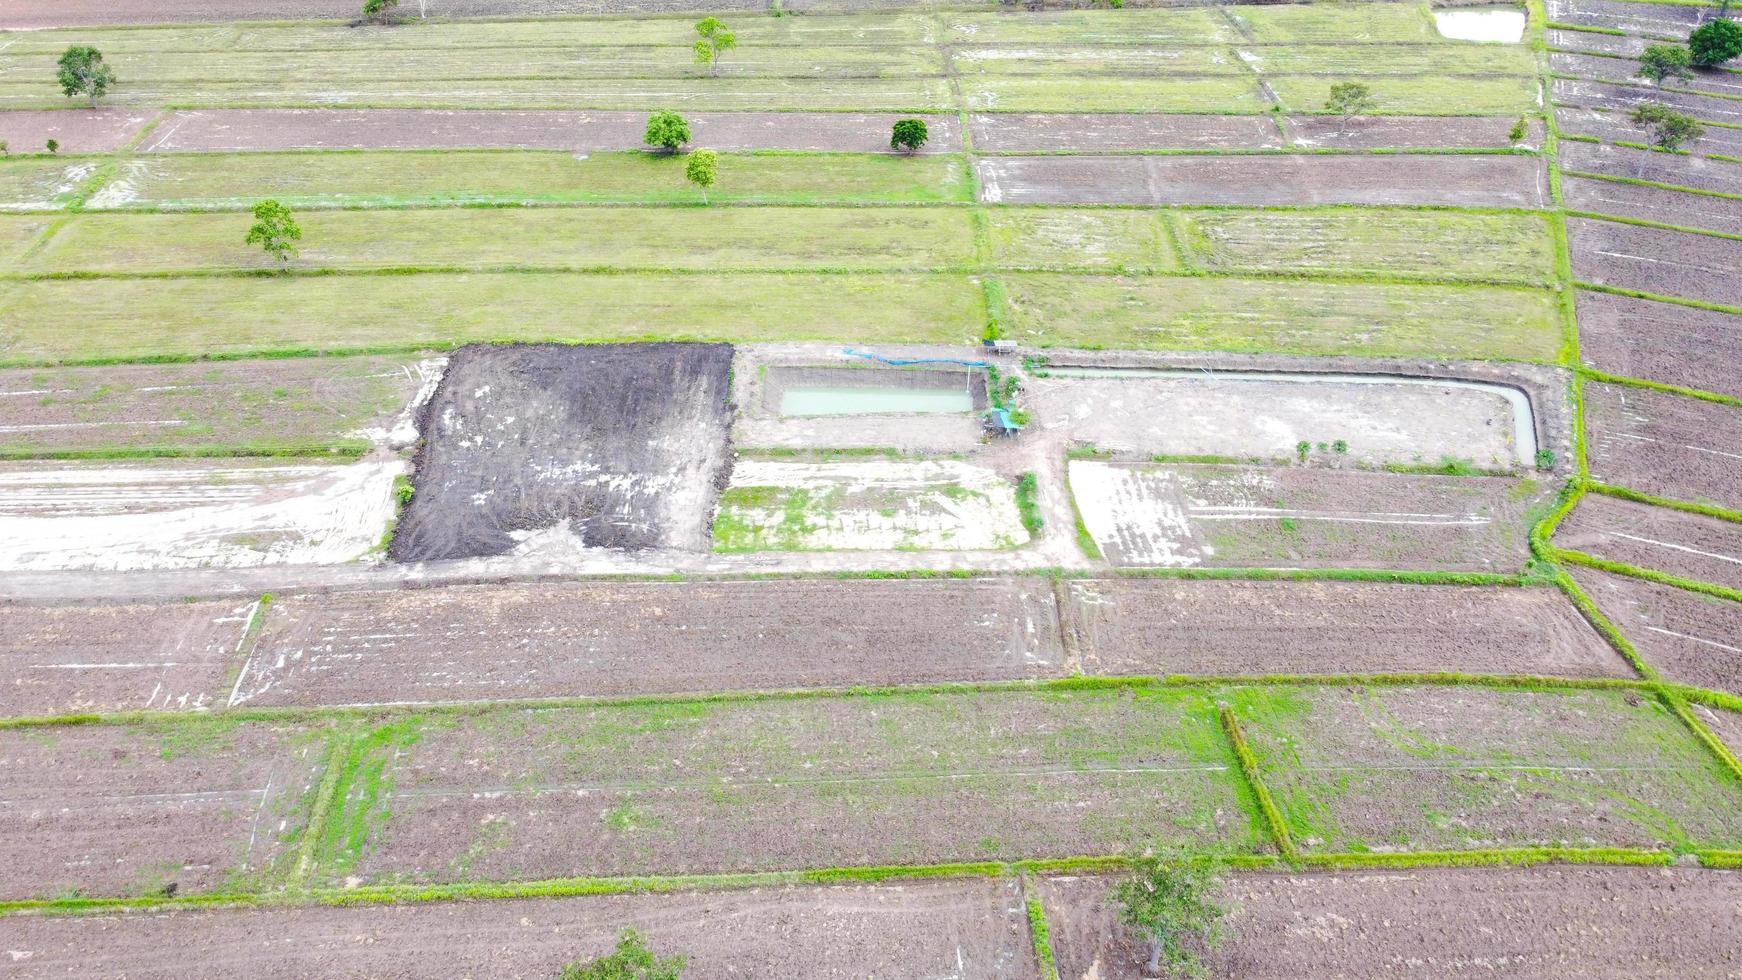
(1704, 549)
(1654, 21)
(613, 445)
(975, 928)
(1689, 637)
(999, 132)
(1696, 172)
(72, 659)
(1622, 70)
(76, 130)
(1653, 204)
(1474, 132)
(1586, 41)
(1157, 626)
(502, 642)
(110, 810)
(36, 14)
(1676, 345)
(1727, 725)
(206, 130)
(1581, 94)
(1468, 181)
(1454, 922)
(300, 401)
(1666, 263)
(1616, 127)
(1665, 445)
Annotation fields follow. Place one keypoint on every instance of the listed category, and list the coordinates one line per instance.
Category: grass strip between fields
(1254, 779)
(1040, 933)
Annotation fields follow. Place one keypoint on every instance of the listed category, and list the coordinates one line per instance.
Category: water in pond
(807, 400)
(1497, 24)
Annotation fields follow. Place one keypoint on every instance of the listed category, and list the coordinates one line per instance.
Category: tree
(1665, 62)
(1669, 129)
(81, 71)
(715, 41)
(1715, 42)
(275, 231)
(631, 961)
(53, 146)
(908, 135)
(1168, 900)
(379, 11)
(1350, 99)
(703, 167)
(1519, 130)
(666, 130)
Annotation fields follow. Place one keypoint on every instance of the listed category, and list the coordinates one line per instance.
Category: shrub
(666, 130)
(379, 11)
(1350, 99)
(631, 960)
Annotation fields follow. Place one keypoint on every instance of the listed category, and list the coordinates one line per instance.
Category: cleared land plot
(1433, 922)
(1403, 132)
(878, 505)
(1665, 263)
(1227, 94)
(1088, 27)
(310, 180)
(1654, 204)
(1638, 338)
(1387, 59)
(1704, 549)
(1617, 127)
(607, 446)
(70, 659)
(549, 238)
(1392, 769)
(76, 130)
(1278, 25)
(972, 928)
(760, 785)
(1624, 70)
(326, 402)
(200, 804)
(1224, 628)
(37, 183)
(1665, 445)
(1097, 59)
(1652, 20)
(526, 641)
(1207, 416)
(1622, 98)
(1232, 516)
(1692, 638)
(136, 318)
(1279, 317)
(235, 513)
(1081, 238)
(209, 130)
(1627, 163)
(1426, 95)
(1016, 132)
(1468, 181)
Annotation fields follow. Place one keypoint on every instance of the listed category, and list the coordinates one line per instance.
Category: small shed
(999, 423)
(999, 346)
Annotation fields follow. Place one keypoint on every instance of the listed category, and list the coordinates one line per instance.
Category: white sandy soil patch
(866, 506)
(191, 514)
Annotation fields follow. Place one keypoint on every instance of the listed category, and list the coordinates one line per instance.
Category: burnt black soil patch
(624, 445)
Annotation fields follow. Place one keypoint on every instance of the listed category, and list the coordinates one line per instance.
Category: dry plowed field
(1625, 69)
(208, 130)
(1292, 517)
(1657, 204)
(1689, 545)
(62, 13)
(974, 928)
(1468, 181)
(613, 446)
(522, 641)
(1656, 20)
(109, 810)
(1159, 626)
(1639, 338)
(1404, 132)
(1652, 260)
(77, 131)
(1615, 127)
(1699, 173)
(1433, 924)
(70, 659)
(1425, 769)
(1665, 445)
(1692, 638)
(1622, 98)
(1004, 132)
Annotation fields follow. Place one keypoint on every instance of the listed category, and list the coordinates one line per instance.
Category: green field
(1104, 240)
(1232, 94)
(1431, 95)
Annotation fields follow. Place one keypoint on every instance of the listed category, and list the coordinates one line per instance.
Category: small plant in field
(702, 170)
(1301, 449)
(52, 146)
(1519, 129)
(1666, 63)
(379, 11)
(81, 71)
(1669, 129)
(1168, 901)
(1340, 447)
(403, 490)
(716, 40)
(1715, 42)
(1350, 99)
(275, 231)
(908, 135)
(1545, 459)
(666, 130)
(631, 960)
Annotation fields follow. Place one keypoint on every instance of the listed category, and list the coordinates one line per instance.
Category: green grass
(1102, 239)
(1282, 316)
(42, 183)
(1358, 60)
(1432, 95)
(403, 179)
(1028, 505)
(1331, 23)
(1065, 59)
(1089, 27)
(1234, 94)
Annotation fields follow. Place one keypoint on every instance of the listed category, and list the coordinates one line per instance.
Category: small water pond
(1498, 25)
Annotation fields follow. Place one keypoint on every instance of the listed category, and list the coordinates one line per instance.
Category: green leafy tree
(1669, 129)
(908, 135)
(702, 169)
(1168, 900)
(1665, 63)
(1519, 130)
(53, 146)
(1715, 42)
(716, 40)
(275, 231)
(81, 71)
(666, 130)
(1350, 99)
(632, 960)
(379, 11)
